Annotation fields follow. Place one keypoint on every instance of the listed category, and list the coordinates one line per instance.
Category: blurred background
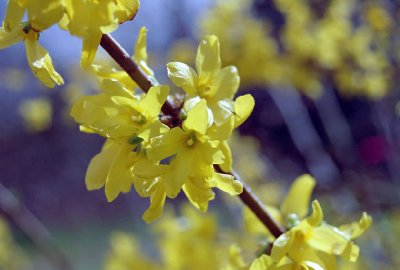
(325, 77)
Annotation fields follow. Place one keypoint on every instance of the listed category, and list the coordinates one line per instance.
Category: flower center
(192, 139)
(138, 119)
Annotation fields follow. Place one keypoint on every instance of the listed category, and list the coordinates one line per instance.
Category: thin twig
(31, 226)
(112, 47)
(121, 57)
(257, 207)
(304, 135)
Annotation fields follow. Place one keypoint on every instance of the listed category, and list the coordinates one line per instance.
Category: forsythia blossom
(108, 14)
(309, 242)
(192, 150)
(217, 86)
(70, 15)
(191, 241)
(127, 121)
(157, 160)
(41, 15)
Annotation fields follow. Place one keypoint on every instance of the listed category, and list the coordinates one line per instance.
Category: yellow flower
(217, 86)
(118, 113)
(310, 243)
(314, 243)
(108, 14)
(183, 158)
(128, 122)
(41, 15)
(112, 168)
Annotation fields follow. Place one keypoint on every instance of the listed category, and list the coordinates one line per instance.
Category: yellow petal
(10, 38)
(148, 169)
(198, 196)
(146, 175)
(197, 118)
(43, 14)
(351, 252)
(14, 14)
(226, 83)
(119, 178)
(226, 166)
(115, 88)
(154, 99)
(89, 48)
(166, 145)
(41, 63)
(355, 229)
(243, 107)
(317, 215)
(126, 10)
(262, 263)
(298, 198)
(227, 183)
(157, 201)
(141, 45)
(222, 131)
(178, 173)
(183, 76)
(86, 129)
(208, 61)
(99, 166)
(282, 246)
(327, 239)
(108, 73)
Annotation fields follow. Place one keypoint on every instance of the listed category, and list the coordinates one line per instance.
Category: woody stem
(121, 57)
(134, 71)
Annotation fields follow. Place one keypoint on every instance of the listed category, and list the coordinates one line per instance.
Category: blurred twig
(31, 226)
(384, 119)
(304, 135)
(336, 125)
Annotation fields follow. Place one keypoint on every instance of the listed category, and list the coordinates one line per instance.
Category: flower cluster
(161, 160)
(309, 242)
(162, 144)
(71, 16)
(311, 48)
(188, 241)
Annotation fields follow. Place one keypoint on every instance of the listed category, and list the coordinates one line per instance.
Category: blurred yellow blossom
(37, 114)
(125, 254)
(11, 257)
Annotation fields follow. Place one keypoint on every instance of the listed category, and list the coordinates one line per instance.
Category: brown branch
(121, 57)
(137, 74)
(256, 206)
(30, 225)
